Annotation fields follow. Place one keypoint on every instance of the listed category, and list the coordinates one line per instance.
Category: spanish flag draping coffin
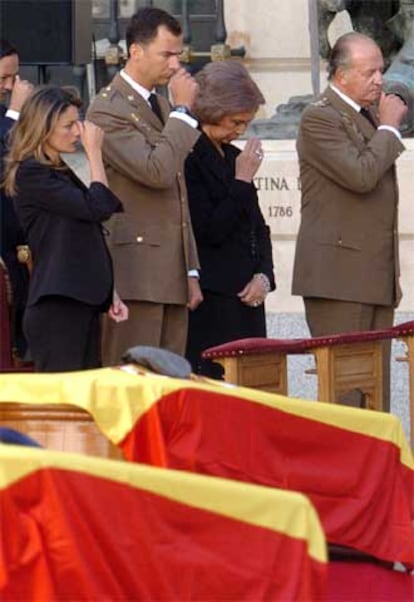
(355, 465)
(81, 528)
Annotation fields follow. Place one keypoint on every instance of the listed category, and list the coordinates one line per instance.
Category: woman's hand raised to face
(249, 160)
(91, 137)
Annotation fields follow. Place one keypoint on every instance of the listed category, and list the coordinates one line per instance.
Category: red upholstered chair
(8, 360)
(343, 362)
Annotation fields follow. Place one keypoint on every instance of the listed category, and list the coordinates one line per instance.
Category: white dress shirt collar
(135, 85)
(346, 98)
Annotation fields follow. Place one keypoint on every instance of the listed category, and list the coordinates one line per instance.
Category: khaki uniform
(152, 242)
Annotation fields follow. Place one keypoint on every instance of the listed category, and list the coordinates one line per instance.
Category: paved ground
(304, 385)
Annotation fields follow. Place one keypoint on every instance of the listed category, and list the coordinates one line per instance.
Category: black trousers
(63, 334)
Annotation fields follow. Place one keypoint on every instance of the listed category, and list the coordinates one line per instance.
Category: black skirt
(217, 320)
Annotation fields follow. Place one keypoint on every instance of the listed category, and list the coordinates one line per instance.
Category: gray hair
(225, 88)
(341, 53)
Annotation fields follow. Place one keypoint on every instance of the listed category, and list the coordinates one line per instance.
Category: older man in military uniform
(346, 264)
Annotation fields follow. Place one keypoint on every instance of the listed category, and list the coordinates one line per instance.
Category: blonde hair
(225, 88)
(36, 122)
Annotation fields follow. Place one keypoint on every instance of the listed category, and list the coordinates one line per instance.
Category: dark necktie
(366, 113)
(153, 100)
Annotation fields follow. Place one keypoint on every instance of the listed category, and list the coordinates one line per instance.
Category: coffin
(59, 427)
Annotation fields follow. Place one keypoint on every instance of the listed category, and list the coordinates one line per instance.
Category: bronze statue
(371, 17)
(391, 24)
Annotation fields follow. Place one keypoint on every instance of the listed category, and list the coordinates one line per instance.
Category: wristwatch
(183, 109)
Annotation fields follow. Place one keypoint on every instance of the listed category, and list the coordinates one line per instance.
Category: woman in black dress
(72, 279)
(232, 237)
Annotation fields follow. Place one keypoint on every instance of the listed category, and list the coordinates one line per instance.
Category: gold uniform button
(140, 238)
(23, 253)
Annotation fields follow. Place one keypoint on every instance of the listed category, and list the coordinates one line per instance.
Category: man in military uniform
(145, 146)
(346, 263)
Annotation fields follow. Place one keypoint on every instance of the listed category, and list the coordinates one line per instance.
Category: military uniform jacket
(152, 243)
(347, 245)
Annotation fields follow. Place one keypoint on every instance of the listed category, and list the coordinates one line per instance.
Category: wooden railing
(344, 362)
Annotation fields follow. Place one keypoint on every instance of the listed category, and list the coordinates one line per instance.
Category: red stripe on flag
(68, 535)
(362, 492)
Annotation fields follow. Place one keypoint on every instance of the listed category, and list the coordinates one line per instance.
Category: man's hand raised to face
(21, 91)
(183, 88)
(392, 110)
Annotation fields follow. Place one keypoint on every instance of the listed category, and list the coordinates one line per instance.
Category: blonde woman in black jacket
(72, 278)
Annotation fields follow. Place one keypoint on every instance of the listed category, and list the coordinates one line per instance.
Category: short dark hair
(143, 25)
(225, 88)
(341, 53)
(6, 48)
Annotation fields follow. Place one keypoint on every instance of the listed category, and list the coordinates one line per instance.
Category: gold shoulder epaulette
(105, 91)
(321, 102)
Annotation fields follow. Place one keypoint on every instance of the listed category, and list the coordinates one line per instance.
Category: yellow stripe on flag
(117, 398)
(288, 513)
